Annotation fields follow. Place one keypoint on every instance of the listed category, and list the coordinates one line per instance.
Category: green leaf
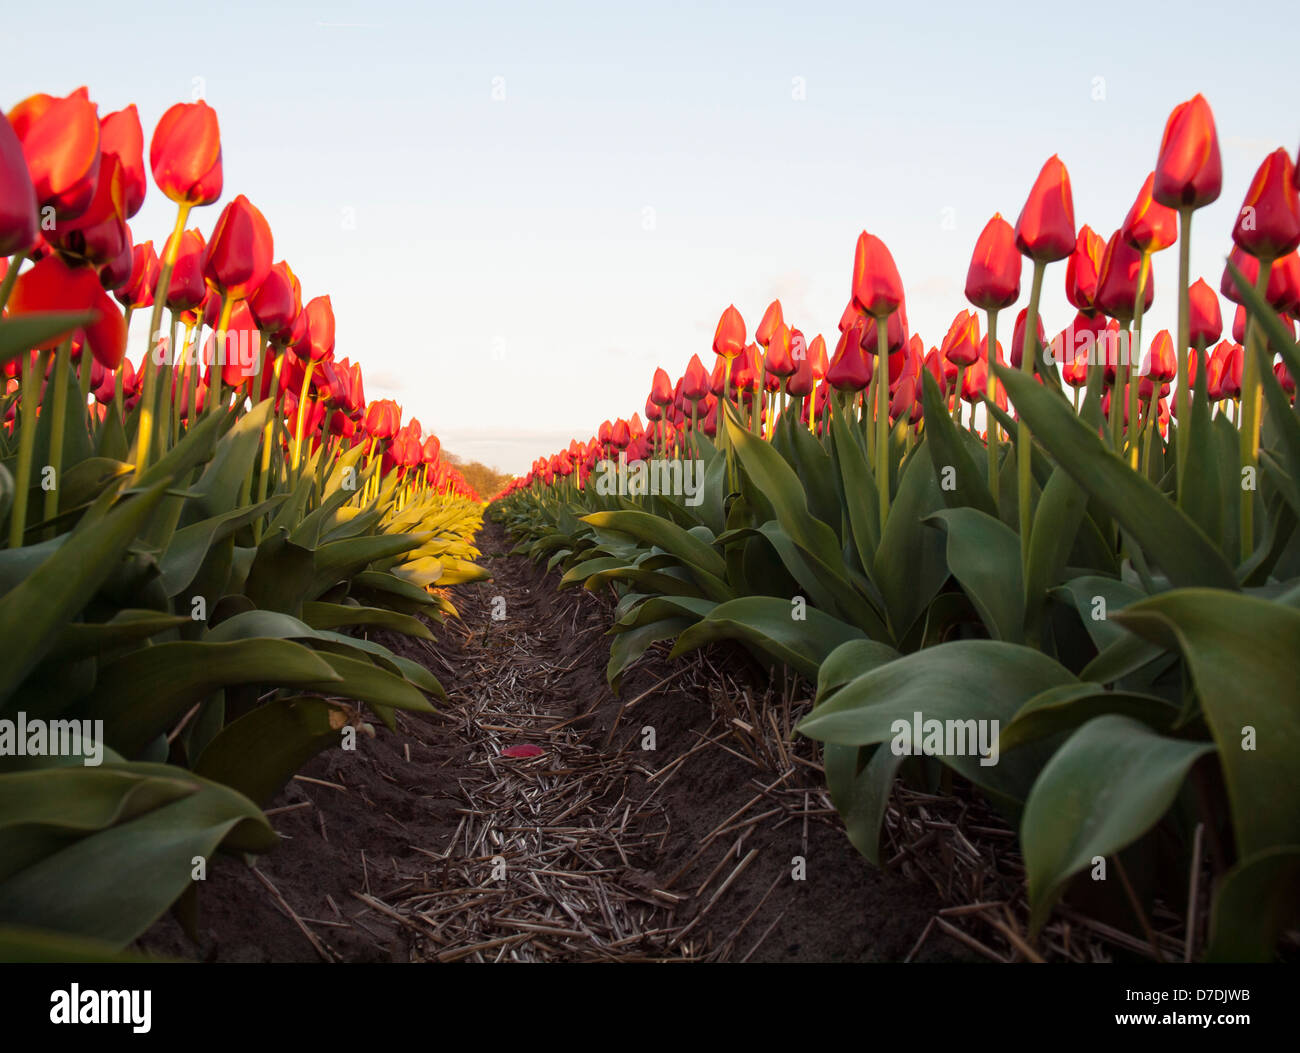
(338, 615)
(364, 681)
(142, 694)
(21, 333)
(984, 556)
(1255, 904)
(1070, 705)
(861, 797)
(768, 623)
(1241, 652)
(32, 613)
(910, 564)
(1106, 787)
(1168, 537)
(258, 753)
(652, 530)
(948, 450)
(114, 884)
(963, 681)
(1060, 513)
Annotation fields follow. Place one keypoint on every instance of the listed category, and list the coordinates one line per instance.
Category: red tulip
(1149, 225)
(1206, 321)
(771, 319)
(802, 381)
(186, 289)
(185, 154)
(1083, 268)
(1189, 172)
(779, 359)
(60, 140)
(695, 383)
(320, 326)
(850, 369)
(961, 345)
(1268, 225)
(114, 274)
(52, 285)
(121, 136)
(1018, 337)
(729, 338)
(17, 195)
(1161, 363)
(817, 357)
(1045, 229)
(993, 280)
(877, 287)
(139, 288)
(661, 389)
(277, 303)
(239, 253)
(1117, 284)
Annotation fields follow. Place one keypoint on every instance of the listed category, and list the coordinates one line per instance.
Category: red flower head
(186, 289)
(1189, 172)
(993, 280)
(771, 319)
(729, 339)
(877, 287)
(239, 254)
(1117, 284)
(695, 383)
(139, 288)
(60, 140)
(121, 136)
(1082, 270)
(1161, 363)
(1268, 225)
(961, 345)
(1149, 225)
(17, 195)
(52, 285)
(185, 154)
(277, 303)
(1206, 321)
(1045, 229)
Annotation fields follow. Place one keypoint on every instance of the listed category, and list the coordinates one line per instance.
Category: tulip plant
(1039, 541)
(197, 544)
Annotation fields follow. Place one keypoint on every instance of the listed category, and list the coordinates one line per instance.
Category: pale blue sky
(516, 269)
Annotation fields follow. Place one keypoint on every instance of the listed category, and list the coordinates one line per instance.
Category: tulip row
(1112, 581)
(198, 546)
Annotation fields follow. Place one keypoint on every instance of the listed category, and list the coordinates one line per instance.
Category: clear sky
(520, 209)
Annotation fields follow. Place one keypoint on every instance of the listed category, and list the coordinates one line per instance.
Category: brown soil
(428, 845)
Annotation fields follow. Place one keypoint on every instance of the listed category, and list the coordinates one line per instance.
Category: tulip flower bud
(239, 254)
(60, 140)
(1149, 225)
(1045, 229)
(1117, 284)
(1018, 337)
(185, 154)
(186, 288)
(961, 345)
(817, 357)
(695, 382)
(877, 287)
(779, 359)
(277, 302)
(139, 288)
(1189, 171)
(771, 319)
(1268, 225)
(17, 195)
(53, 285)
(661, 388)
(993, 280)
(729, 339)
(1083, 268)
(1161, 363)
(850, 369)
(121, 136)
(1206, 321)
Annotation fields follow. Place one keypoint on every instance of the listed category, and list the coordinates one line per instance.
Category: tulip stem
(990, 392)
(301, 422)
(881, 377)
(11, 276)
(148, 400)
(220, 349)
(85, 367)
(1135, 359)
(1252, 392)
(1181, 400)
(1024, 439)
(58, 420)
(33, 373)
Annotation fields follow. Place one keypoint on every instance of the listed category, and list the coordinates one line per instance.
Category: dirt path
(719, 843)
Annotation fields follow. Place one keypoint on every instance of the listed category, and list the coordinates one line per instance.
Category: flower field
(1108, 576)
(1042, 570)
